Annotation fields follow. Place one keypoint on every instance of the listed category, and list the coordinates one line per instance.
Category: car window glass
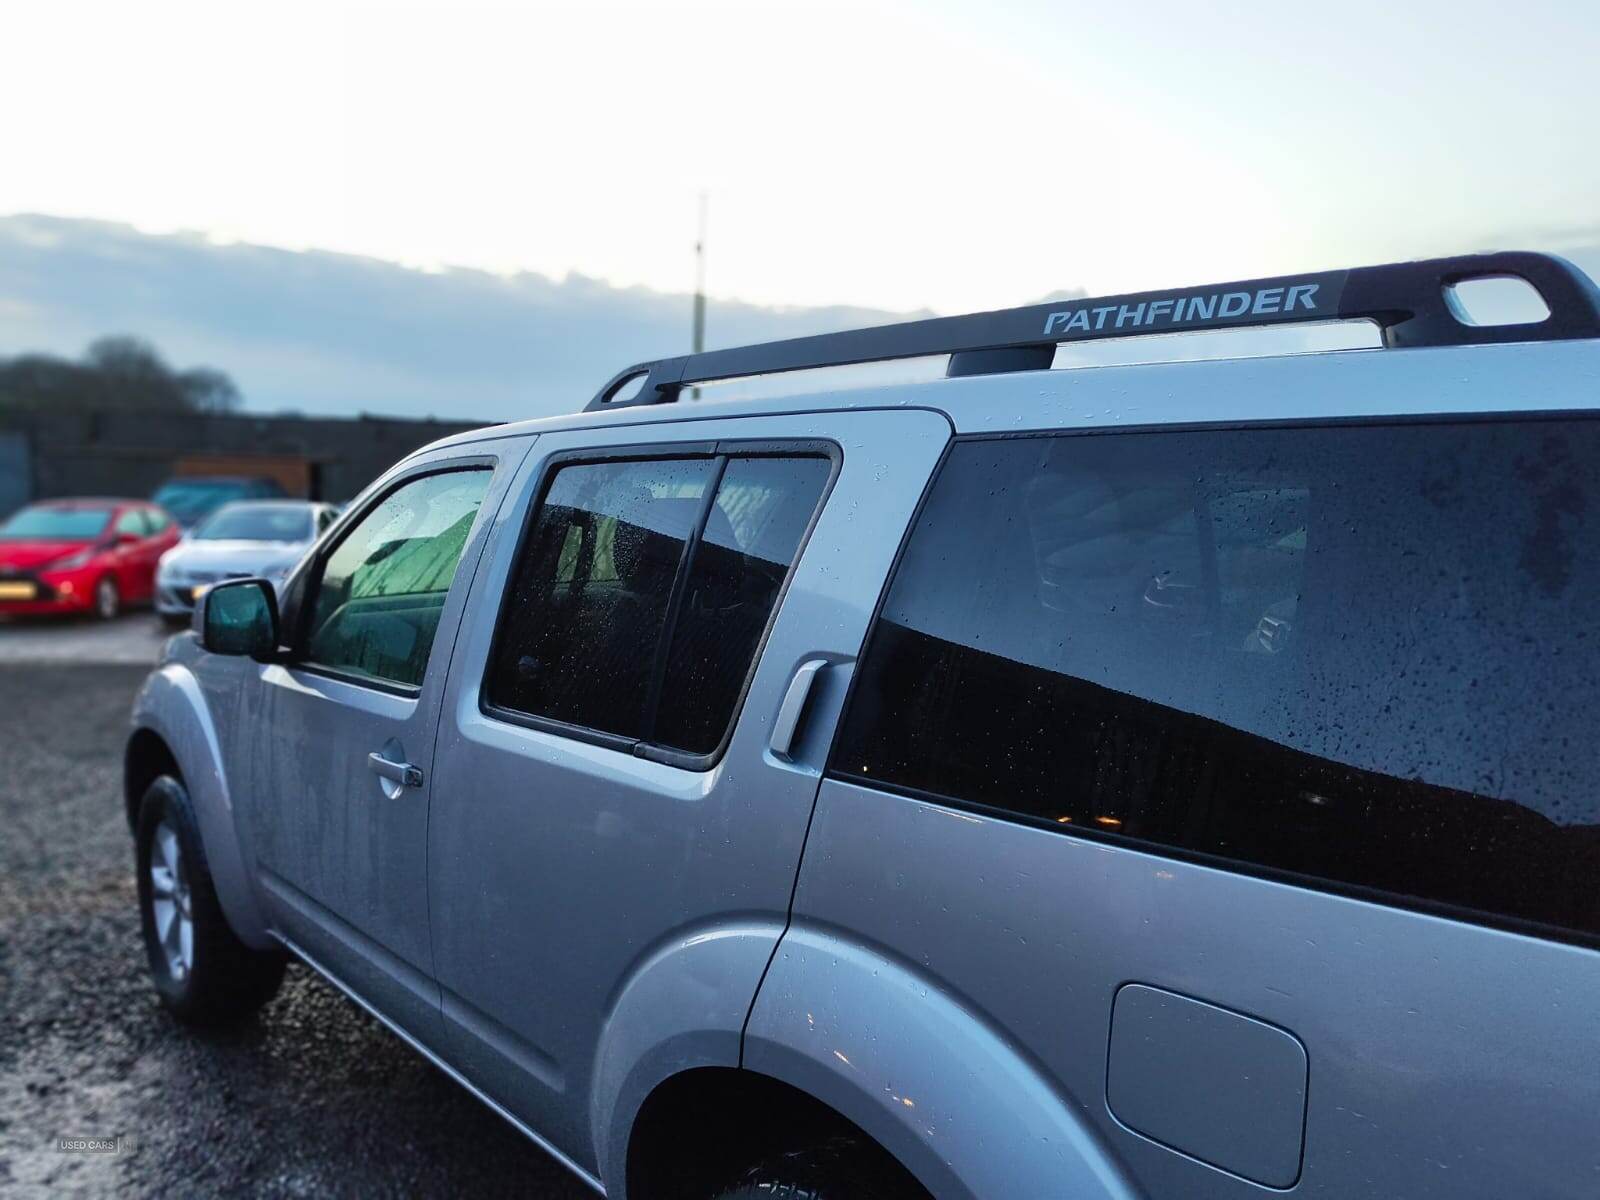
(256, 523)
(762, 510)
(590, 596)
(1366, 656)
(377, 604)
(157, 520)
(132, 522)
(53, 523)
(638, 608)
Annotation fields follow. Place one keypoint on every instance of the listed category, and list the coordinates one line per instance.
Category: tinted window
(132, 522)
(638, 607)
(376, 607)
(257, 523)
(590, 597)
(762, 509)
(1365, 655)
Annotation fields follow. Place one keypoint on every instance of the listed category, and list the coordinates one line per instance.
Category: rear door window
(1366, 657)
(762, 510)
(591, 595)
(643, 591)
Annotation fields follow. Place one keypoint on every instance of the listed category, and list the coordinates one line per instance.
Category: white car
(248, 538)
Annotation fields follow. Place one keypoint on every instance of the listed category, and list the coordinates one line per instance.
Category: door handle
(786, 727)
(402, 773)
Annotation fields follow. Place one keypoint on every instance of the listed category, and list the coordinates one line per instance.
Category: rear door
(617, 784)
(343, 749)
(1274, 755)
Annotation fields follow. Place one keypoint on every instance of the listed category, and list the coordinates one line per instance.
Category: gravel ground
(312, 1098)
(132, 638)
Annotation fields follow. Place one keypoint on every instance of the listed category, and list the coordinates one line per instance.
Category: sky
(942, 156)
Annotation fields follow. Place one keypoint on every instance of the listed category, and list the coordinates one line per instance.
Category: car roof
(90, 502)
(1438, 356)
(1331, 385)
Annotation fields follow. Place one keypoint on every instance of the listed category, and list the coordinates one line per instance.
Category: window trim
(722, 451)
(298, 630)
(1248, 868)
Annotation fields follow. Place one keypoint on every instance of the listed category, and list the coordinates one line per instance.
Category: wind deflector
(1409, 302)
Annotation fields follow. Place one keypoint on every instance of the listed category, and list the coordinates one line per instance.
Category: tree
(209, 390)
(124, 373)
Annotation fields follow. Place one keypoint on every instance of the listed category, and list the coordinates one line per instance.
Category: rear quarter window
(1364, 657)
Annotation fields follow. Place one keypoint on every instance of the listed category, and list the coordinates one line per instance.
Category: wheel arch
(702, 1129)
(146, 758)
(680, 1008)
(925, 1074)
(173, 733)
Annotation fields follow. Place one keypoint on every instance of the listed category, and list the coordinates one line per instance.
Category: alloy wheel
(170, 901)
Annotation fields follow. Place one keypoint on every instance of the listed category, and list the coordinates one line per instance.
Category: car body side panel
(924, 1071)
(564, 874)
(173, 705)
(682, 1009)
(342, 865)
(1446, 1060)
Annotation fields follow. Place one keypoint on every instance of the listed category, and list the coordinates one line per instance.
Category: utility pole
(700, 290)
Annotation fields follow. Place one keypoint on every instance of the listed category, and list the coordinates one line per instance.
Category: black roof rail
(1410, 302)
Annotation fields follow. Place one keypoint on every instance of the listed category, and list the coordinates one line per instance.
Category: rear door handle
(402, 773)
(786, 728)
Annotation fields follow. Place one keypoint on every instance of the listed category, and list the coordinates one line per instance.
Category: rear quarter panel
(1445, 1060)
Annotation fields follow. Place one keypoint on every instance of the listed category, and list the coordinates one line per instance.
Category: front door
(138, 549)
(344, 749)
(619, 804)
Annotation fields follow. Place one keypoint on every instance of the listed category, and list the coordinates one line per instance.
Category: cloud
(335, 333)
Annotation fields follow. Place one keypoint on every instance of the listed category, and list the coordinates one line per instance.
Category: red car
(82, 556)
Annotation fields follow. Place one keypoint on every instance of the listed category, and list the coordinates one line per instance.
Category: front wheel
(107, 599)
(203, 973)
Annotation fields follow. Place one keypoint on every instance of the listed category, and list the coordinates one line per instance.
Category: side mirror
(126, 539)
(241, 618)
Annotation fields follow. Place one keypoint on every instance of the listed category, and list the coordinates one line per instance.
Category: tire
(840, 1169)
(107, 599)
(204, 975)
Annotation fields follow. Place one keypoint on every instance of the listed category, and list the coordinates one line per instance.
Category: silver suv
(1173, 780)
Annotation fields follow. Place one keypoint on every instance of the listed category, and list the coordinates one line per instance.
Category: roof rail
(1410, 302)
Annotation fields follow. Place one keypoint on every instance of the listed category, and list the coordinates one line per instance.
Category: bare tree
(120, 372)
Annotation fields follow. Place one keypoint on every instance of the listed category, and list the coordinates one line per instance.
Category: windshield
(192, 499)
(55, 524)
(257, 523)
